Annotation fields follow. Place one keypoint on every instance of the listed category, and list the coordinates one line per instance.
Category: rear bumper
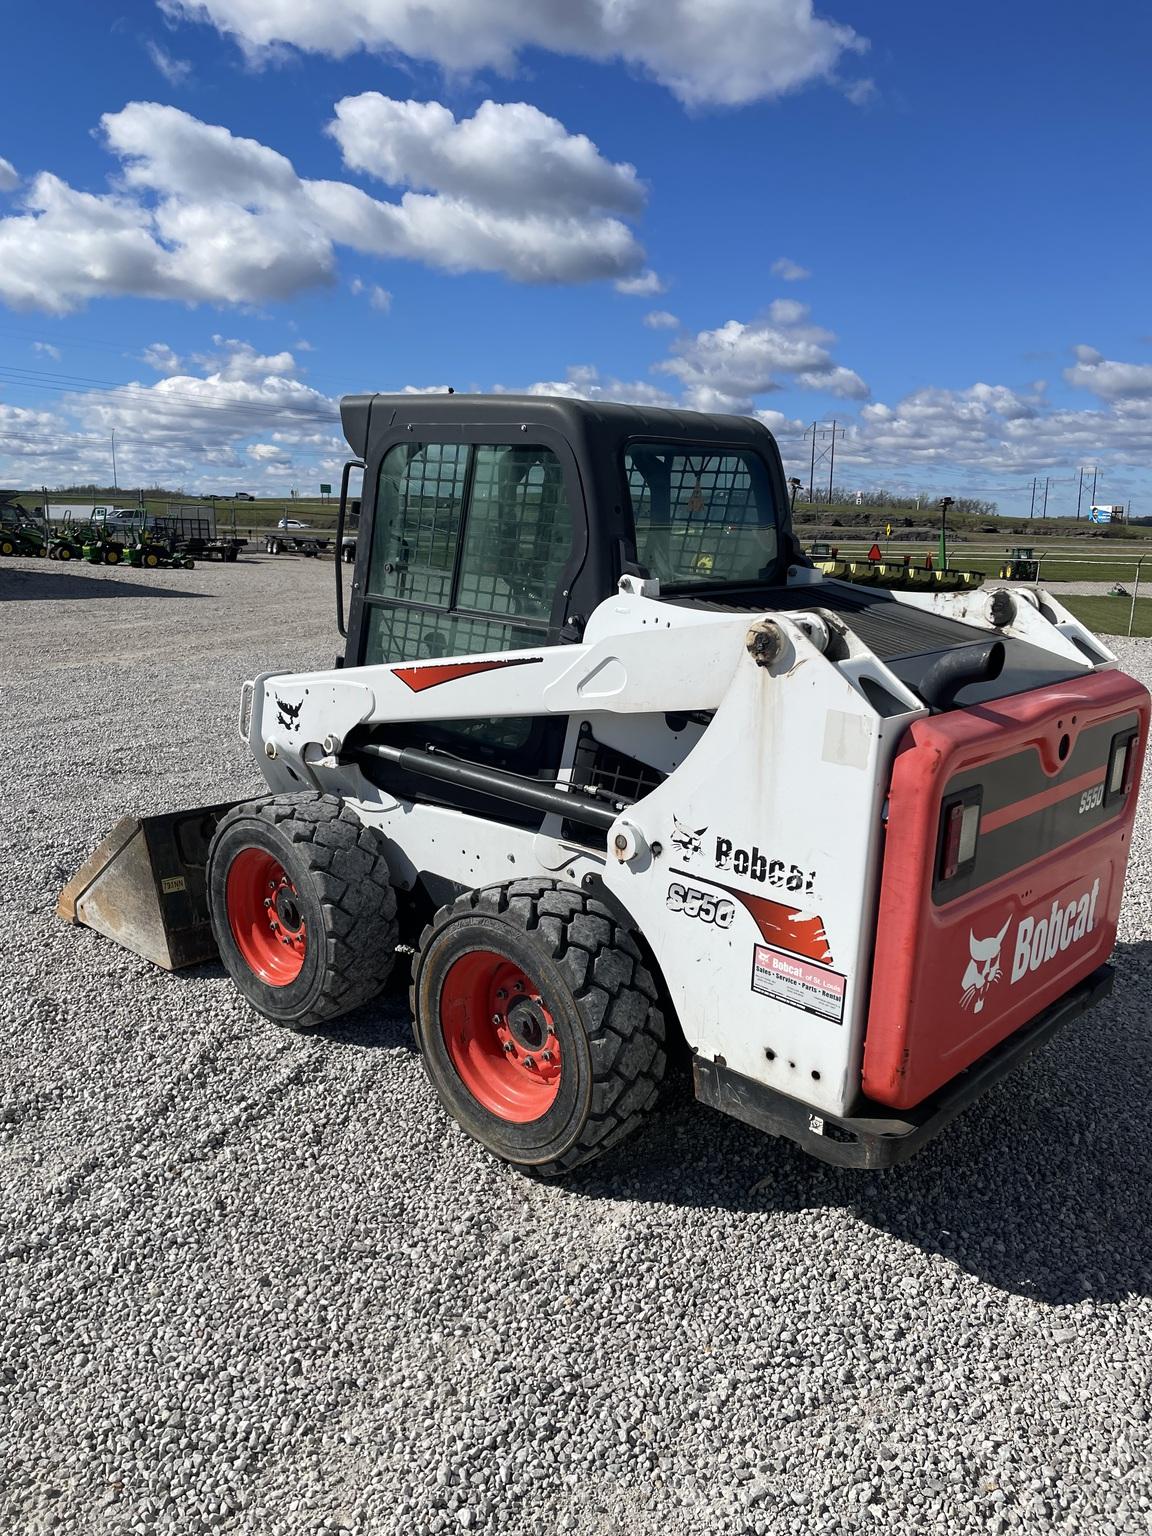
(881, 1140)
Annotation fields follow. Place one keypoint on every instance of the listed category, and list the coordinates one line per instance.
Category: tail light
(1121, 765)
(959, 831)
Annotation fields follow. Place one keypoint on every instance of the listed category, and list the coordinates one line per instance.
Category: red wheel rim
(265, 917)
(500, 1036)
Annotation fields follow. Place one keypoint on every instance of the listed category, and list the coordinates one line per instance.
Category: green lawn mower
(22, 539)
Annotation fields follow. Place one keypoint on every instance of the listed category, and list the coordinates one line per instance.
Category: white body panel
(767, 826)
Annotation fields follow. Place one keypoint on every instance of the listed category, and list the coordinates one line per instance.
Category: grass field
(1109, 615)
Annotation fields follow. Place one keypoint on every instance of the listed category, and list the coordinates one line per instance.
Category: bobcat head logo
(685, 839)
(983, 968)
(287, 715)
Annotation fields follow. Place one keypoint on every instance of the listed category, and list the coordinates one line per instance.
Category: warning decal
(788, 979)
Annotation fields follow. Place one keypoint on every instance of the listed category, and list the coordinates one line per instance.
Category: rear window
(702, 516)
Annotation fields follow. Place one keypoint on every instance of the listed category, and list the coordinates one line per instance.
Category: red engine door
(1007, 841)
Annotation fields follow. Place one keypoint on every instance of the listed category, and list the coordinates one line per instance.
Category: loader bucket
(145, 886)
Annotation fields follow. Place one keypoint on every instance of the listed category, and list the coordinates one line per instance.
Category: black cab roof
(606, 422)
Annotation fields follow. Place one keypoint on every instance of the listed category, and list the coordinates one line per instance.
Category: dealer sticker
(788, 979)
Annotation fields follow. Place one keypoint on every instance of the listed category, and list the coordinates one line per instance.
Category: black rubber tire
(603, 1003)
(338, 867)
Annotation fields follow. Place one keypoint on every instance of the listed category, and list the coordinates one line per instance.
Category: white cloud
(727, 368)
(162, 358)
(269, 453)
(379, 298)
(860, 92)
(781, 426)
(239, 360)
(202, 216)
(644, 285)
(505, 156)
(47, 349)
(994, 427)
(584, 382)
(788, 312)
(175, 71)
(1107, 379)
(195, 428)
(9, 177)
(24, 434)
(789, 271)
(707, 52)
(661, 320)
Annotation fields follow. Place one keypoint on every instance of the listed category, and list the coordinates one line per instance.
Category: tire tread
(616, 996)
(353, 885)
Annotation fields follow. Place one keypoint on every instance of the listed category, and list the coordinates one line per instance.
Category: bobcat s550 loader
(636, 773)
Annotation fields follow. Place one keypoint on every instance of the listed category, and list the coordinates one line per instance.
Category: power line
(156, 396)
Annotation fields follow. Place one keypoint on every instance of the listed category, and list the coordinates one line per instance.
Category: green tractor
(21, 539)
(99, 544)
(65, 544)
(150, 549)
(20, 533)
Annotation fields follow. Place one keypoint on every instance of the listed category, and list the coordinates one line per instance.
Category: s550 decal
(701, 904)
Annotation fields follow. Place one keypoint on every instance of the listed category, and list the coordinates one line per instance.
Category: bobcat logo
(983, 968)
(287, 715)
(683, 838)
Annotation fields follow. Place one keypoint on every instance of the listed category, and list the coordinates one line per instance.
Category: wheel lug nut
(502, 993)
(546, 1056)
(496, 1018)
(529, 1061)
(508, 1046)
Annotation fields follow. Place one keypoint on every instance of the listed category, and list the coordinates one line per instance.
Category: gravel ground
(258, 1283)
(1082, 588)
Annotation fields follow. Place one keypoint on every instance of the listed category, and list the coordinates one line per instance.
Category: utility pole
(1032, 503)
(1094, 485)
(1044, 513)
(1079, 492)
(827, 433)
(831, 463)
(812, 467)
(114, 484)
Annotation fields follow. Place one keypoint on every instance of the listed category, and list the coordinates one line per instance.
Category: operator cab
(499, 522)
(493, 522)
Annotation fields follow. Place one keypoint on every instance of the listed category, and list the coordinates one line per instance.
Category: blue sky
(924, 221)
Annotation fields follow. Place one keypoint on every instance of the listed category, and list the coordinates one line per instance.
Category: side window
(518, 535)
(419, 502)
(701, 516)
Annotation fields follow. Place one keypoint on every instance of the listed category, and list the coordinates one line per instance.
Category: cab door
(470, 542)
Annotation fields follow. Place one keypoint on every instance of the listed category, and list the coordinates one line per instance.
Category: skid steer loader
(632, 774)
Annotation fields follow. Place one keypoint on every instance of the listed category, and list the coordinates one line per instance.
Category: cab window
(419, 506)
(469, 544)
(702, 516)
